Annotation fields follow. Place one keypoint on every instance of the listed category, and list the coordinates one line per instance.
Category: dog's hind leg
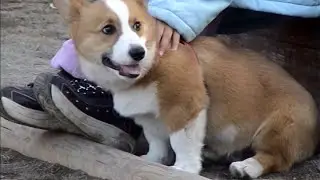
(279, 143)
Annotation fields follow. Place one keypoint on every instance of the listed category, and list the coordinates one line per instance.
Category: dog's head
(114, 39)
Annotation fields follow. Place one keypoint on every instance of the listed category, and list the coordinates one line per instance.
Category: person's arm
(188, 17)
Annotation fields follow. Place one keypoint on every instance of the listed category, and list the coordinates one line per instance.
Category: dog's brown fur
(179, 70)
(266, 108)
(272, 112)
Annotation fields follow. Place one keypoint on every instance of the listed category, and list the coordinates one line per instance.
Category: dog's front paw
(177, 168)
(152, 158)
(249, 167)
(188, 168)
(145, 157)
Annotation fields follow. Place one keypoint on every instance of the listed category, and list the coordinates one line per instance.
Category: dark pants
(235, 21)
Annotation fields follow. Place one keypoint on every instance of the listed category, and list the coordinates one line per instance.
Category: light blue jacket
(190, 17)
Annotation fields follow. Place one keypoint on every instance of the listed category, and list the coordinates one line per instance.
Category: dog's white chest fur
(137, 101)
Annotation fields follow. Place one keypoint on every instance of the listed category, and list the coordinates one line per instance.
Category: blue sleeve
(188, 17)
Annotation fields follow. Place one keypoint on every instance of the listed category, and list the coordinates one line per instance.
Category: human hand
(167, 37)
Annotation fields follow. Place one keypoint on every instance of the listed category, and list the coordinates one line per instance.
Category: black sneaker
(88, 107)
(19, 105)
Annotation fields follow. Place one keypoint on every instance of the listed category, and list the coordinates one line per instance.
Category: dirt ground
(31, 33)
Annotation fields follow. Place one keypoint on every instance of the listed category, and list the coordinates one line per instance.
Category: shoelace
(88, 88)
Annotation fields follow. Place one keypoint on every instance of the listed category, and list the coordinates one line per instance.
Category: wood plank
(81, 154)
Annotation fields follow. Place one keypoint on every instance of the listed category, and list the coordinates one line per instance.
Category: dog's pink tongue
(130, 69)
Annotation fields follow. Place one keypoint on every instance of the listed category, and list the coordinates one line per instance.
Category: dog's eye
(137, 26)
(108, 29)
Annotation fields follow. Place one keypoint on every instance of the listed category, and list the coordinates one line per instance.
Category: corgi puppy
(205, 92)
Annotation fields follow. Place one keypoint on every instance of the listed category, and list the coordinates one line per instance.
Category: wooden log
(80, 154)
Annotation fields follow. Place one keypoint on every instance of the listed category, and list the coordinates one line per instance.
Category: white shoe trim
(26, 115)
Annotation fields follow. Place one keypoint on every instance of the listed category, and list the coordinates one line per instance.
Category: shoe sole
(101, 132)
(42, 93)
(17, 113)
(5, 115)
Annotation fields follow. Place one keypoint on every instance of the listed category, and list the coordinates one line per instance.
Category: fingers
(160, 29)
(175, 41)
(165, 39)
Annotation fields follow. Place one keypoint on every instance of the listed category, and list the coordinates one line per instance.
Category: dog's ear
(70, 9)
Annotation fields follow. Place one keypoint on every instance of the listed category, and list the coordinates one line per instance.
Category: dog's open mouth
(130, 71)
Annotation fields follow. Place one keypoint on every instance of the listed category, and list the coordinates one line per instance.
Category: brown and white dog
(231, 99)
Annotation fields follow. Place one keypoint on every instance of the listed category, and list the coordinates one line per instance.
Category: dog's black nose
(105, 56)
(137, 53)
